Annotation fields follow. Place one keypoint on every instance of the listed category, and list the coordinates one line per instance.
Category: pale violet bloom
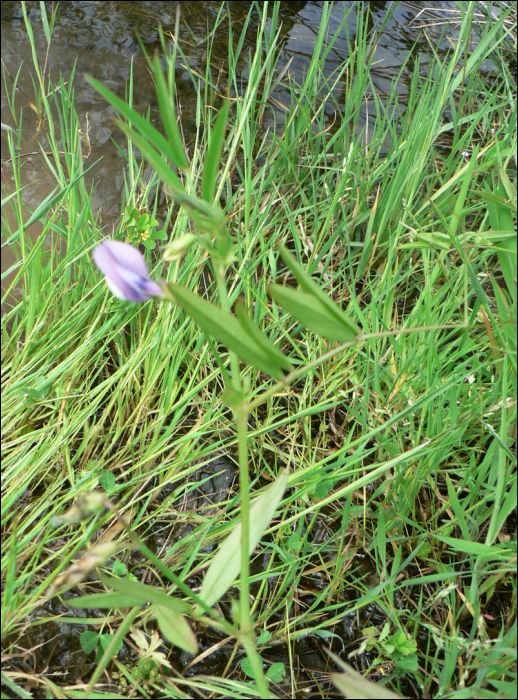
(125, 271)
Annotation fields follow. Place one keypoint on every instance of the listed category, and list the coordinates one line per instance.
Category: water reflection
(102, 39)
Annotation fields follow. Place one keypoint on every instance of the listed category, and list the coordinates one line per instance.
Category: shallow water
(102, 39)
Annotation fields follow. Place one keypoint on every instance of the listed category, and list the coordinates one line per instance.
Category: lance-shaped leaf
(355, 686)
(149, 133)
(311, 312)
(210, 169)
(105, 600)
(168, 610)
(344, 327)
(261, 339)
(166, 103)
(207, 217)
(175, 627)
(226, 564)
(146, 594)
(154, 157)
(225, 328)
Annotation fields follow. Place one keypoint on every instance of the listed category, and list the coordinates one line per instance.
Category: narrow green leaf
(166, 104)
(479, 548)
(502, 218)
(225, 328)
(105, 600)
(212, 159)
(14, 688)
(311, 287)
(144, 594)
(45, 22)
(149, 133)
(175, 627)
(155, 159)
(261, 339)
(310, 311)
(226, 564)
(457, 509)
(49, 202)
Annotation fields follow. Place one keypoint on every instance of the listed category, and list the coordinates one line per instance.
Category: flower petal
(114, 289)
(125, 271)
(109, 252)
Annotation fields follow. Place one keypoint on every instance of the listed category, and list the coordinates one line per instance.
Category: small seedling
(150, 661)
(92, 640)
(140, 228)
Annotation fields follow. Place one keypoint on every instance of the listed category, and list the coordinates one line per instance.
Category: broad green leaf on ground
(276, 672)
(226, 565)
(247, 667)
(221, 325)
(89, 640)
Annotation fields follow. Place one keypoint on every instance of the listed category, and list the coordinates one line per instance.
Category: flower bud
(177, 248)
(125, 271)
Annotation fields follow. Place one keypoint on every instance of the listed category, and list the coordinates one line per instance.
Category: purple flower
(125, 271)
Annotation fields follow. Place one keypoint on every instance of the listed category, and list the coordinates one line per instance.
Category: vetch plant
(127, 276)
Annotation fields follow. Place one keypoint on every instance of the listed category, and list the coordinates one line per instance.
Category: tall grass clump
(338, 317)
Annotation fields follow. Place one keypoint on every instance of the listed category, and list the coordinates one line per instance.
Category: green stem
(247, 635)
(257, 665)
(225, 304)
(241, 415)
